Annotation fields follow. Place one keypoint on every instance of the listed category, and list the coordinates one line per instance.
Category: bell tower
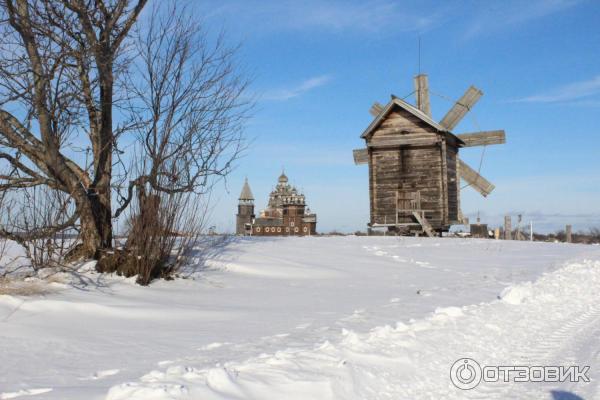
(245, 215)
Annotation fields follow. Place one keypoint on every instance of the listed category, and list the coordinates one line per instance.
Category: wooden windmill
(414, 168)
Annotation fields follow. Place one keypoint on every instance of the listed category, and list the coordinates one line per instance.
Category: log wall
(408, 155)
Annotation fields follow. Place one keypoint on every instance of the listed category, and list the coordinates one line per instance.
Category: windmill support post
(507, 228)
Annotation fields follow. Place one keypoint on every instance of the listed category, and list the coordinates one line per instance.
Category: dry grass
(29, 287)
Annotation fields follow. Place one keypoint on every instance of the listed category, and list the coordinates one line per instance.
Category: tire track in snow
(545, 323)
(567, 345)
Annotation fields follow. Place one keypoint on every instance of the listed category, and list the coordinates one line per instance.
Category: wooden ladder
(424, 223)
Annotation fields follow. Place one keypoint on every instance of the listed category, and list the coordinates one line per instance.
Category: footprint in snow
(101, 374)
(211, 346)
(24, 392)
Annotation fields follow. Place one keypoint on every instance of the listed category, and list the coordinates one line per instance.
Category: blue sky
(317, 66)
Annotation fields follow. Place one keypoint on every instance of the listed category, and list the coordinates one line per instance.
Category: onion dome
(283, 178)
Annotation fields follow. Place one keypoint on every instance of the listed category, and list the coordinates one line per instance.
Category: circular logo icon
(465, 373)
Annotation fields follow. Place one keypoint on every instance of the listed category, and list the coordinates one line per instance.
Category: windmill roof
(411, 109)
(246, 192)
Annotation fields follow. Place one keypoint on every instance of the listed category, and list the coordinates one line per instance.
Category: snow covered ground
(313, 318)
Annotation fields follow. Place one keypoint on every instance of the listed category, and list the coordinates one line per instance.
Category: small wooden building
(414, 169)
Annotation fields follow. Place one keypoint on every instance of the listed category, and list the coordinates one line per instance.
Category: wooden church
(414, 169)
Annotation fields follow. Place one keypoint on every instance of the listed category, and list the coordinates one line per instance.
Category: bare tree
(62, 67)
(186, 103)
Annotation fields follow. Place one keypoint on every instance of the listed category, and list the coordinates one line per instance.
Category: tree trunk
(96, 226)
(101, 210)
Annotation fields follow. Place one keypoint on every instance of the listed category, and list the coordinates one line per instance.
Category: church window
(296, 229)
(305, 229)
(258, 229)
(291, 223)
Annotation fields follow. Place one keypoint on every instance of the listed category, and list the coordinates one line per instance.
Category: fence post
(569, 233)
(507, 228)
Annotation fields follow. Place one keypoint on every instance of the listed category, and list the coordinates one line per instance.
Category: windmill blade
(461, 107)
(483, 138)
(474, 180)
(376, 109)
(361, 156)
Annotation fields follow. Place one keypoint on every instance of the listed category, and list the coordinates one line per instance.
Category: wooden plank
(483, 138)
(507, 228)
(422, 93)
(372, 205)
(461, 217)
(403, 141)
(461, 107)
(444, 191)
(361, 156)
(427, 228)
(376, 109)
(475, 180)
(401, 120)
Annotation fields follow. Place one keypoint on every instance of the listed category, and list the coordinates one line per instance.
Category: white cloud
(566, 93)
(496, 16)
(297, 90)
(369, 15)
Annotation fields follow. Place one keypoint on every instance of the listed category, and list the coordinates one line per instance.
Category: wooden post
(507, 228)
(531, 231)
(569, 233)
(422, 93)
(396, 209)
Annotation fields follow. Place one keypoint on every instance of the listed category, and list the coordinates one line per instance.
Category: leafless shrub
(29, 218)
(3, 242)
(163, 230)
